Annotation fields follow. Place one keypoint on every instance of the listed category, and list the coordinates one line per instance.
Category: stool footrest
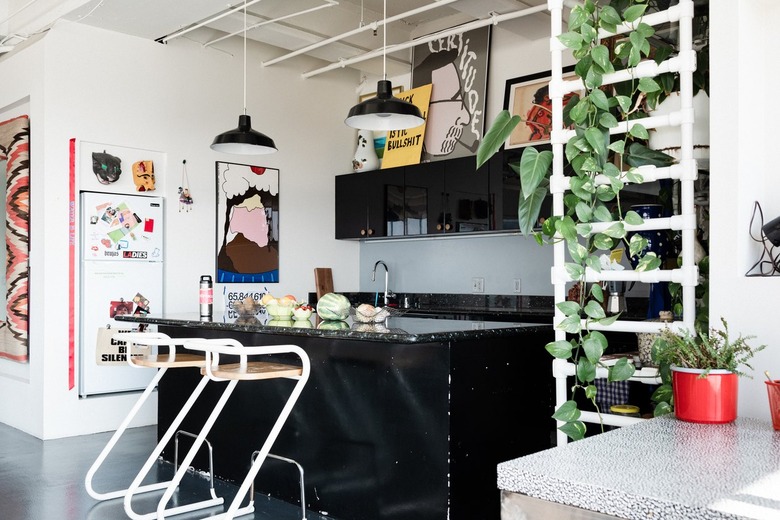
(161, 361)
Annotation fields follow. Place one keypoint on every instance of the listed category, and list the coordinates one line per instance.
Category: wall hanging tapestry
(15, 151)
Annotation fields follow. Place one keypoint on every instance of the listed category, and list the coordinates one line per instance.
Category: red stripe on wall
(72, 267)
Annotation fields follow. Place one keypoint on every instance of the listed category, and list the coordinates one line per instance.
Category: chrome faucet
(388, 293)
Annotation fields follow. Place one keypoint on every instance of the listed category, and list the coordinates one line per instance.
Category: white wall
(744, 170)
(110, 88)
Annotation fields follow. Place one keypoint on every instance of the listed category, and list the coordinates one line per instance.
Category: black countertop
(396, 329)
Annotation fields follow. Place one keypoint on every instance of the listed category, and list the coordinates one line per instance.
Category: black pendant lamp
(384, 112)
(243, 140)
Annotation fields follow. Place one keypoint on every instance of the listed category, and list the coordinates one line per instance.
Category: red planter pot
(711, 399)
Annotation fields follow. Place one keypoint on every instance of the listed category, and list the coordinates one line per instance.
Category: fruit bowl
(277, 311)
(366, 313)
(302, 312)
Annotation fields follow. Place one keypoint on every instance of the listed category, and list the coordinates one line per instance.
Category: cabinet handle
(370, 231)
(362, 232)
(438, 227)
(447, 227)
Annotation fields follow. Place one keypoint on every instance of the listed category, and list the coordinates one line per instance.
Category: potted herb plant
(601, 165)
(700, 373)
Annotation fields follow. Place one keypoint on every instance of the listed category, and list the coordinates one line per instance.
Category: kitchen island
(662, 468)
(406, 419)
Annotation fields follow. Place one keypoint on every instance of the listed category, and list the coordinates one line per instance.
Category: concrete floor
(42, 480)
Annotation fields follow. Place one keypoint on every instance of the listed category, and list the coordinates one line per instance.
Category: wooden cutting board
(323, 281)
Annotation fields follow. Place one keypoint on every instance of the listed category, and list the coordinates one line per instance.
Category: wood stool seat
(161, 361)
(254, 370)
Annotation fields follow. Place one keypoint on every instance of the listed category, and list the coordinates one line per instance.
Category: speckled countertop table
(662, 468)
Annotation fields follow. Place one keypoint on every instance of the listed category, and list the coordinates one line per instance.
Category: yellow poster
(404, 147)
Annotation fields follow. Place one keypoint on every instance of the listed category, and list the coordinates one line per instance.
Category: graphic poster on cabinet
(403, 147)
(247, 223)
(457, 66)
(120, 169)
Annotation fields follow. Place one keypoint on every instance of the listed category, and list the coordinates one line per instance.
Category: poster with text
(404, 147)
(457, 66)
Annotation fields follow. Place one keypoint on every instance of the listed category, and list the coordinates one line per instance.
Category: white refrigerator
(121, 273)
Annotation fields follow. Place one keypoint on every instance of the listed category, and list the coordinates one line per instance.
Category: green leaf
(577, 251)
(636, 244)
(598, 336)
(592, 261)
(633, 175)
(577, 17)
(569, 308)
(584, 230)
(602, 214)
(621, 371)
(598, 294)
(567, 412)
(607, 120)
(594, 310)
(645, 30)
(570, 324)
(593, 79)
(639, 131)
(634, 56)
(586, 371)
(624, 102)
(634, 12)
(648, 262)
(574, 270)
(605, 193)
(588, 33)
(648, 85)
(599, 99)
(640, 155)
(567, 229)
(559, 349)
(574, 430)
(633, 218)
(534, 166)
(590, 165)
(602, 242)
(610, 170)
(609, 15)
(600, 55)
(584, 212)
(593, 349)
(618, 146)
(579, 112)
(662, 409)
(529, 209)
(498, 133)
(571, 40)
(609, 320)
(616, 230)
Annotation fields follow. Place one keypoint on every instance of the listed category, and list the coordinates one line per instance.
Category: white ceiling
(295, 28)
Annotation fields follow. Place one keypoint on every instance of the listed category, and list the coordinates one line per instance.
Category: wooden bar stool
(148, 343)
(233, 373)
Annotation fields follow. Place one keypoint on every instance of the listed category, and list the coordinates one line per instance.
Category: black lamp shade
(243, 140)
(772, 231)
(384, 112)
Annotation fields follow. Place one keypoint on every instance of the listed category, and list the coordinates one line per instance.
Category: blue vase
(658, 243)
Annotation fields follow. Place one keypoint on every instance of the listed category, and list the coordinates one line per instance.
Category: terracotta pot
(711, 399)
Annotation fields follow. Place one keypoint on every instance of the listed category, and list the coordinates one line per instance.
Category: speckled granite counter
(399, 329)
(662, 469)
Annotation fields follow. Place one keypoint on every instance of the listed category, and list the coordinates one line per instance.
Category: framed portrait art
(247, 223)
(527, 97)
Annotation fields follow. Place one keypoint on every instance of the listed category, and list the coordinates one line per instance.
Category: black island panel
(384, 430)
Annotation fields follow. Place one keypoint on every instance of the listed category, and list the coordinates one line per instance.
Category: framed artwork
(457, 67)
(15, 163)
(527, 96)
(247, 223)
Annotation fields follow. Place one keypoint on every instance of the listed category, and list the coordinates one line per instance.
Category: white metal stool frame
(163, 363)
(244, 370)
(185, 360)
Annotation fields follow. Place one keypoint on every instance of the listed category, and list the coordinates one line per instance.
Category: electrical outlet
(518, 285)
(477, 285)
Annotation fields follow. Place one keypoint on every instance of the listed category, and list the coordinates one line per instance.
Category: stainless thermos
(206, 296)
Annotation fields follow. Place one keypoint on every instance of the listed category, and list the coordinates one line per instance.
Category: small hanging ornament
(185, 199)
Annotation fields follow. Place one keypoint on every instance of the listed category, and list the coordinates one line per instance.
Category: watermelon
(333, 306)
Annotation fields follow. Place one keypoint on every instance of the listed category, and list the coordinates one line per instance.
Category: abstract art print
(247, 223)
(457, 67)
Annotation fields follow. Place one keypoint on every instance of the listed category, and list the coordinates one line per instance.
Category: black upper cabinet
(440, 197)
(370, 204)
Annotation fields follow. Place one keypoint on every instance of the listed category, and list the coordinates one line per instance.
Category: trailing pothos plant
(591, 153)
